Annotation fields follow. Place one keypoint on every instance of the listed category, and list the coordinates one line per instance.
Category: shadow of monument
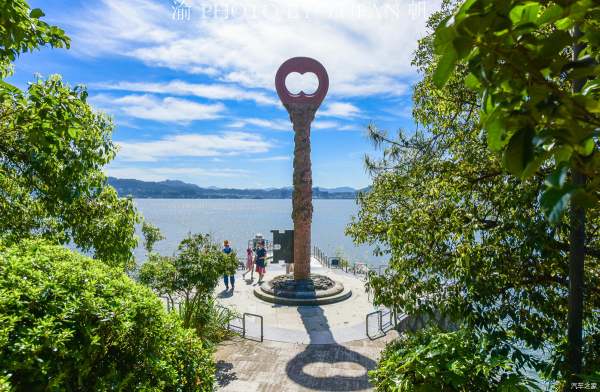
(323, 350)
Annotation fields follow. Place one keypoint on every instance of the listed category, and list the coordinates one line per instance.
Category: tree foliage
(434, 360)
(53, 147)
(21, 30)
(530, 109)
(152, 235)
(463, 237)
(68, 322)
(189, 278)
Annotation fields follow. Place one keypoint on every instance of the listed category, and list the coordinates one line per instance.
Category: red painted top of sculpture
(302, 65)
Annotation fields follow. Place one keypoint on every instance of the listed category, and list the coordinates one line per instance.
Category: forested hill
(171, 189)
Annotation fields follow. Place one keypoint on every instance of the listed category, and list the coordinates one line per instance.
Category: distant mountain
(343, 189)
(173, 189)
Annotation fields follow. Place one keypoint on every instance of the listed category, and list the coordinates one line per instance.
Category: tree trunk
(302, 208)
(576, 262)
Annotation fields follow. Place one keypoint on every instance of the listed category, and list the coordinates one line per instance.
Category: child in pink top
(249, 263)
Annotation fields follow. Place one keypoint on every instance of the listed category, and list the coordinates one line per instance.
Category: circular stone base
(317, 290)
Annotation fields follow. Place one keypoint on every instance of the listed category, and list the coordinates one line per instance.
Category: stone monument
(302, 108)
(303, 288)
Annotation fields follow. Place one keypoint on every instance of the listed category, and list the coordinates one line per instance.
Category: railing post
(244, 325)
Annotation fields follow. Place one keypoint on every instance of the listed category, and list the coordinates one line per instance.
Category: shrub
(432, 360)
(190, 277)
(210, 320)
(68, 322)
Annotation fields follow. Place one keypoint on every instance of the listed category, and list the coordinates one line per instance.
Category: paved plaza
(247, 366)
(335, 323)
(305, 348)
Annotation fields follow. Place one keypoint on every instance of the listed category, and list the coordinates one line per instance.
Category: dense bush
(433, 360)
(68, 322)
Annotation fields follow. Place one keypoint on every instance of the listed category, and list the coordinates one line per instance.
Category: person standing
(261, 260)
(228, 278)
(249, 263)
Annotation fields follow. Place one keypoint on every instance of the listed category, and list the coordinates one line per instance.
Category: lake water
(239, 220)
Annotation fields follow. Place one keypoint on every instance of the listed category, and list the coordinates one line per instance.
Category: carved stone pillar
(302, 109)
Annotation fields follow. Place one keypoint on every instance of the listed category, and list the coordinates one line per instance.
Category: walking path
(305, 348)
(335, 323)
(247, 366)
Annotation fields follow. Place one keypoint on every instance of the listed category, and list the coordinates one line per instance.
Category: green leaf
(530, 12)
(463, 46)
(9, 87)
(564, 23)
(562, 154)
(524, 13)
(519, 152)
(444, 68)
(496, 131)
(533, 166)
(557, 178)
(586, 148)
(550, 14)
(472, 82)
(591, 86)
(554, 201)
(444, 36)
(36, 13)
(466, 6)
(592, 104)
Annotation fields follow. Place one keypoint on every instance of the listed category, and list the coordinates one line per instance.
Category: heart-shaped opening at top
(308, 83)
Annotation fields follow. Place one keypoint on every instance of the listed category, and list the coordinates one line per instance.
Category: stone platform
(284, 290)
(325, 324)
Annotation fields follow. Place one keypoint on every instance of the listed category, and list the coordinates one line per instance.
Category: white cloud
(278, 125)
(178, 87)
(115, 22)
(352, 128)
(193, 145)
(286, 125)
(191, 174)
(340, 109)
(325, 124)
(148, 107)
(273, 158)
(366, 46)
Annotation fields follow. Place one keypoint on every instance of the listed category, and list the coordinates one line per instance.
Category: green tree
(152, 235)
(463, 237)
(535, 64)
(190, 278)
(53, 147)
(71, 323)
(21, 30)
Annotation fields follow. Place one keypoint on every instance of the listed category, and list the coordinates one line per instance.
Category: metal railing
(262, 335)
(242, 330)
(382, 327)
(353, 268)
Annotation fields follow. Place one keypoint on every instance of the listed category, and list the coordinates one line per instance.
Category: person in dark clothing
(261, 260)
(228, 278)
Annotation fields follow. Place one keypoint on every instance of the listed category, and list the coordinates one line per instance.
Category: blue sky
(190, 87)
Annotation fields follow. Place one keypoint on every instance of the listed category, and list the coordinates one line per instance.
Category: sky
(190, 84)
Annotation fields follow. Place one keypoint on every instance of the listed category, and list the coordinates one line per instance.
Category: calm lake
(239, 220)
